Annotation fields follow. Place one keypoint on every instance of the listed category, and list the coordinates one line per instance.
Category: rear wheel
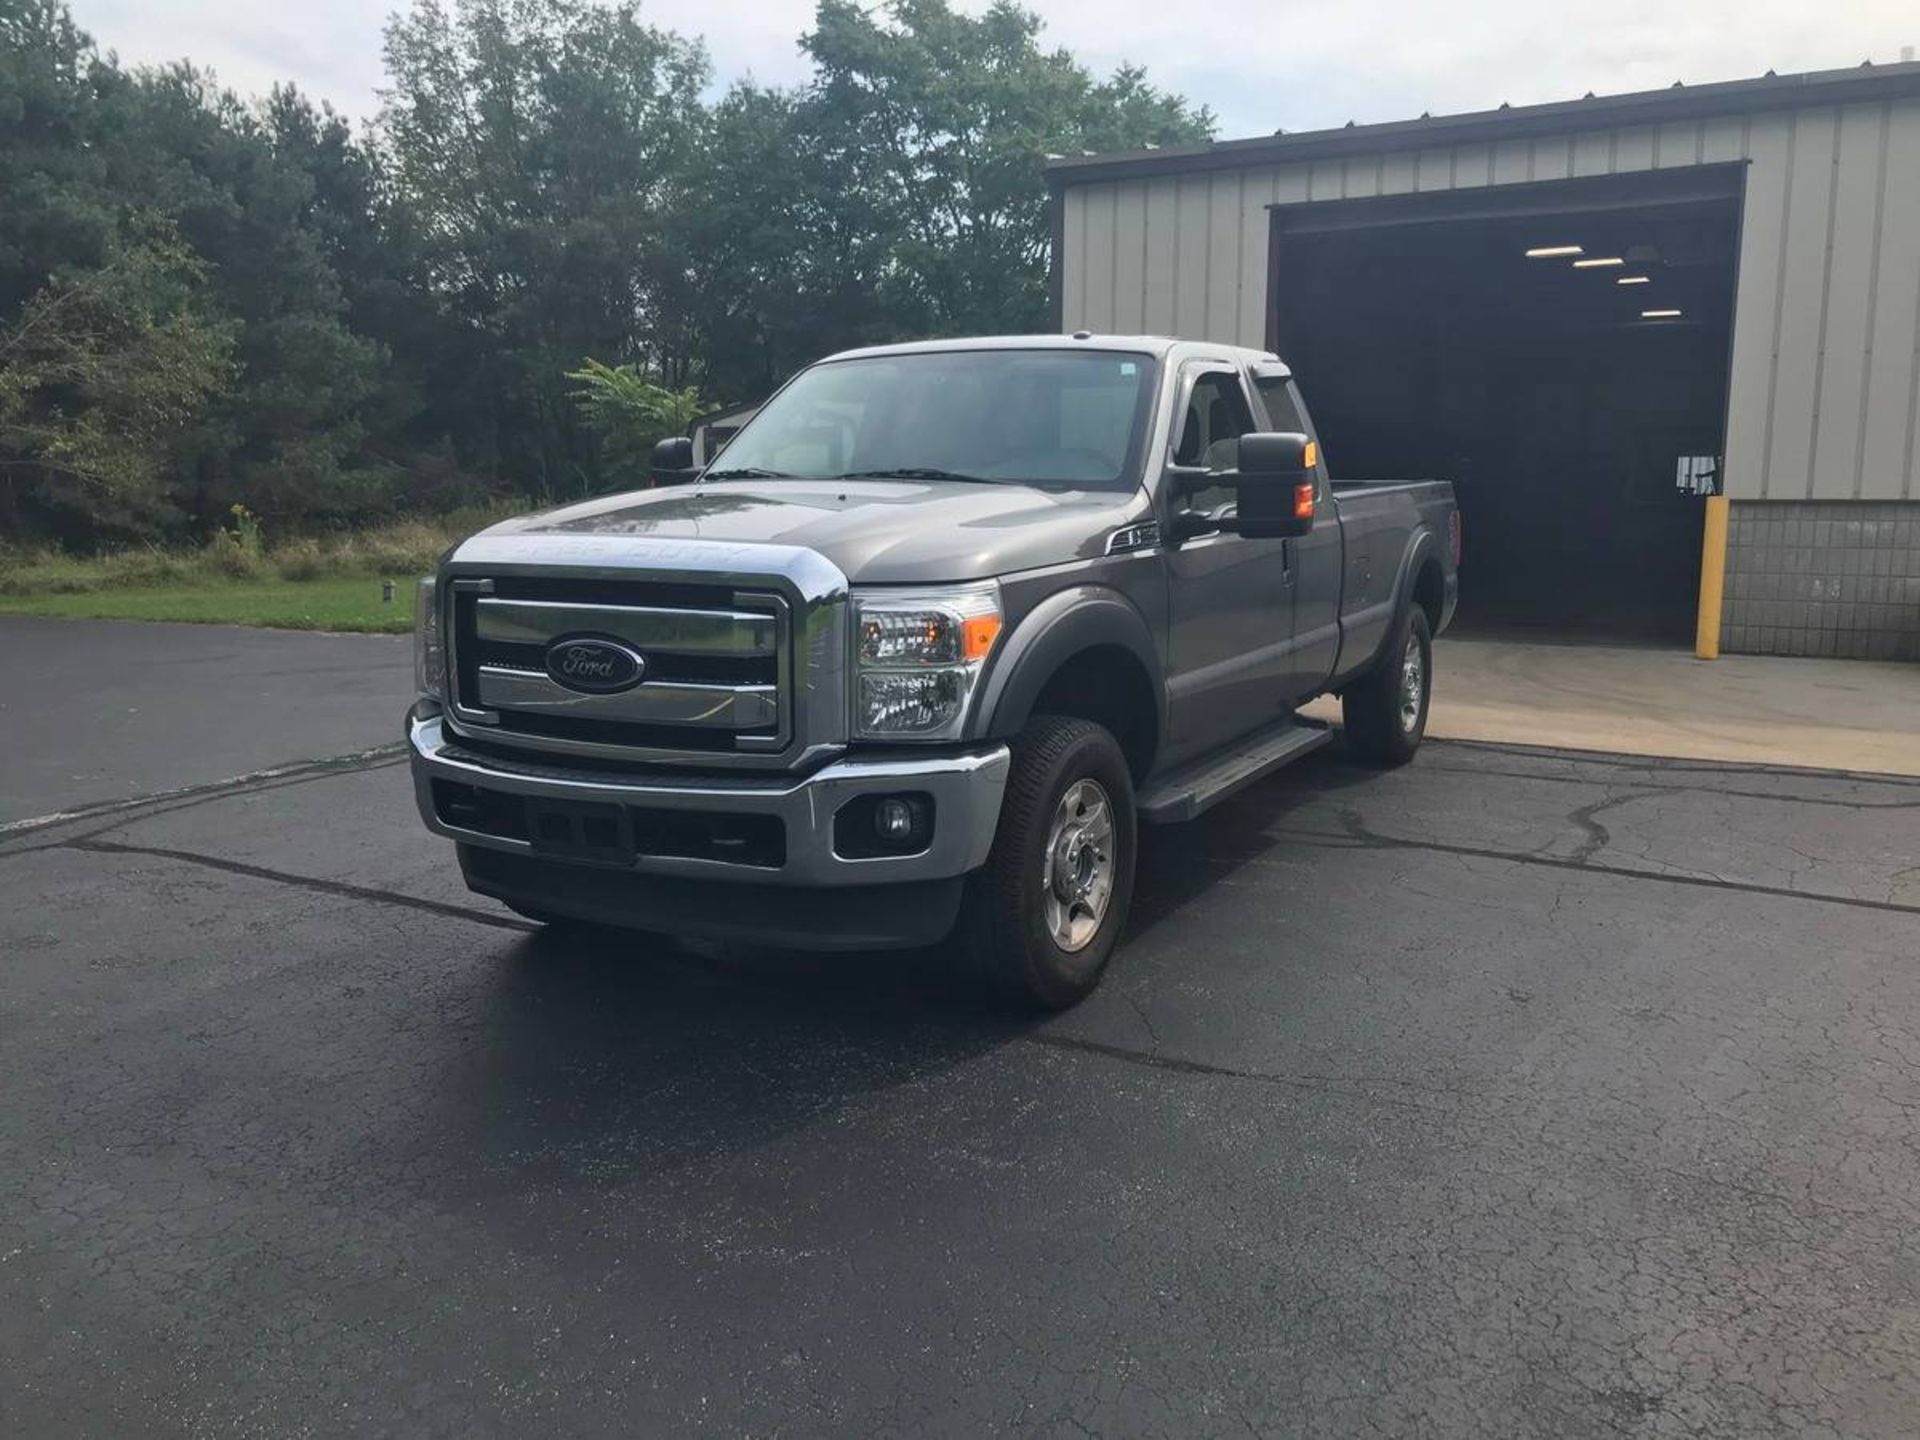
(1042, 917)
(1386, 710)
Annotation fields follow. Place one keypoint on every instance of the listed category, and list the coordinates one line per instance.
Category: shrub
(44, 572)
(225, 555)
(397, 551)
(302, 560)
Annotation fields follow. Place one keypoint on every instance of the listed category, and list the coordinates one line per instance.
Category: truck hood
(874, 531)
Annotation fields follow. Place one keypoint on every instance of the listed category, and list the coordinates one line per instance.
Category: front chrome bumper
(966, 787)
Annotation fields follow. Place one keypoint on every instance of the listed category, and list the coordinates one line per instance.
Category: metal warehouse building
(1729, 300)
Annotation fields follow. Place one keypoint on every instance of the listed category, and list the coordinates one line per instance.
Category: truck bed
(1343, 489)
(1380, 521)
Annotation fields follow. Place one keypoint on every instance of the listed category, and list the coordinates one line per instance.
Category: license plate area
(580, 830)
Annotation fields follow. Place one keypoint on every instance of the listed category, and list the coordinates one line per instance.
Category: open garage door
(1578, 407)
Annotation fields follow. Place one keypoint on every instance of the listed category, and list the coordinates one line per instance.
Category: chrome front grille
(717, 676)
(734, 708)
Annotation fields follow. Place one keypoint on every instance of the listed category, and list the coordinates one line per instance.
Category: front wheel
(1042, 917)
(1386, 710)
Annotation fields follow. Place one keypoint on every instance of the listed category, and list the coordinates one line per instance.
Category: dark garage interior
(1429, 343)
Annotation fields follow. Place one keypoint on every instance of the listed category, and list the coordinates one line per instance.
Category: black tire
(1005, 923)
(1379, 729)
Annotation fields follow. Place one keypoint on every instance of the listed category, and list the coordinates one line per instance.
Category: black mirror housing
(1281, 454)
(672, 461)
(1278, 485)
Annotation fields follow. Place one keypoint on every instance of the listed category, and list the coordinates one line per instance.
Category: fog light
(893, 820)
(868, 827)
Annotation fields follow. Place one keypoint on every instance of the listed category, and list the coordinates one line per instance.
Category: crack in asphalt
(304, 882)
(1598, 837)
(157, 806)
(1358, 835)
(1361, 838)
(1653, 787)
(1679, 764)
(1179, 1065)
(357, 760)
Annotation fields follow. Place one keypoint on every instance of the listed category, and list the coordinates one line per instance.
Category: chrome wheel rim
(1078, 877)
(1413, 684)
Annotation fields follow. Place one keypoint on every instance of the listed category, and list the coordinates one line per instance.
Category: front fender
(1052, 633)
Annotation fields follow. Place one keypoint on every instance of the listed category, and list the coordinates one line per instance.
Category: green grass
(334, 603)
(329, 582)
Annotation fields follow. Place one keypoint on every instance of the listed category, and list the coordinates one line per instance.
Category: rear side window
(1277, 395)
(1283, 411)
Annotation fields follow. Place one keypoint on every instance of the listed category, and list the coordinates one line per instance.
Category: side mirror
(672, 461)
(1277, 485)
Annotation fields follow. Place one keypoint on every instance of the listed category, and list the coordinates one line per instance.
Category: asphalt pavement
(96, 712)
(1509, 1093)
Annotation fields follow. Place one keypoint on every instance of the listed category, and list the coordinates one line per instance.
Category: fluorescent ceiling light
(1597, 262)
(1548, 252)
(1634, 280)
(1659, 314)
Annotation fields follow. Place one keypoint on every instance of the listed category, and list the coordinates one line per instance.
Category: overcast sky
(1261, 64)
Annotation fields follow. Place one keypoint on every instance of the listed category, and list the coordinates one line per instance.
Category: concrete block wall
(1838, 578)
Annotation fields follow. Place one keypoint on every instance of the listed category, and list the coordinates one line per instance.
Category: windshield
(1057, 417)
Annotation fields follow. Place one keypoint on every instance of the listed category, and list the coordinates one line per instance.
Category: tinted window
(1283, 411)
(1277, 396)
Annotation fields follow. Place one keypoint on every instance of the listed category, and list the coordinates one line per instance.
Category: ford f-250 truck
(920, 649)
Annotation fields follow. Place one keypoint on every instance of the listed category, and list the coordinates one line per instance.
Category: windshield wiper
(748, 472)
(913, 472)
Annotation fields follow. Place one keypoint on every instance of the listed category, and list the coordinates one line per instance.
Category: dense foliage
(553, 241)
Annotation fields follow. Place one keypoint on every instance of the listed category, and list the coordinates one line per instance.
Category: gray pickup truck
(921, 649)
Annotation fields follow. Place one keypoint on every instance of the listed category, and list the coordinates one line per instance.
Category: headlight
(917, 655)
(429, 647)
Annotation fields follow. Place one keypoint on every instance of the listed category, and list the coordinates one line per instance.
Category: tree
(943, 122)
(288, 438)
(100, 379)
(541, 144)
(899, 193)
(630, 414)
(57, 211)
(209, 301)
(787, 253)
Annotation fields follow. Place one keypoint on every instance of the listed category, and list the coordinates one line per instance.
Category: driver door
(1230, 621)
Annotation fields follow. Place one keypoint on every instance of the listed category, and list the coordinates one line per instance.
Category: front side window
(1037, 417)
(1209, 437)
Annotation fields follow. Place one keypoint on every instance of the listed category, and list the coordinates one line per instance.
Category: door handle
(1286, 561)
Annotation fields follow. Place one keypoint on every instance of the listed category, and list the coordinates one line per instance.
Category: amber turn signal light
(977, 636)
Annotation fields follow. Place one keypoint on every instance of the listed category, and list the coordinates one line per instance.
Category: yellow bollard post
(1713, 579)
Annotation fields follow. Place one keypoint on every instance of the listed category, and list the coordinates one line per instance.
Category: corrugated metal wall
(1825, 393)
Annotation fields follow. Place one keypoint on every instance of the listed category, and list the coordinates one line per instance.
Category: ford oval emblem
(594, 666)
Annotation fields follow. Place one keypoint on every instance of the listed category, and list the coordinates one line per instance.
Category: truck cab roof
(1161, 347)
